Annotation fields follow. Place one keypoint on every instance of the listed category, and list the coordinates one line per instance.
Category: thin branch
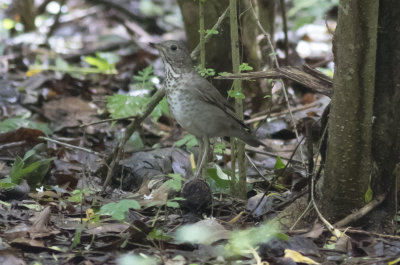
(361, 212)
(107, 120)
(263, 117)
(285, 30)
(70, 146)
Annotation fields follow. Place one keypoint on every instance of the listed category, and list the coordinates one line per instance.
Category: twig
(277, 114)
(274, 155)
(202, 36)
(361, 212)
(107, 120)
(285, 30)
(255, 167)
(70, 146)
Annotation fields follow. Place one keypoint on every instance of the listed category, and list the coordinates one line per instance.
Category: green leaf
(175, 182)
(236, 94)
(110, 57)
(224, 73)
(178, 199)
(189, 140)
(77, 235)
(245, 67)
(205, 72)
(279, 164)
(62, 64)
(158, 234)
(121, 106)
(8, 23)
(16, 123)
(161, 109)
(124, 105)
(219, 148)
(117, 210)
(218, 184)
(212, 31)
(267, 96)
(15, 171)
(249, 238)
(172, 204)
(6, 183)
(99, 63)
(77, 195)
(33, 171)
(369, 194)
(145, 75)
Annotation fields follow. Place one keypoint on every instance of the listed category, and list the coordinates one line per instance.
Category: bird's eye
(174, 47)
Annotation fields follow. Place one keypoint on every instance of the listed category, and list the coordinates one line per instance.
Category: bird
(196, 104)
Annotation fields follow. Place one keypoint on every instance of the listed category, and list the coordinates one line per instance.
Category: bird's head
(174, 55)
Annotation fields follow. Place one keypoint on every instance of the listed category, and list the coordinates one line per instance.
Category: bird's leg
(206, 148)
(199, 155)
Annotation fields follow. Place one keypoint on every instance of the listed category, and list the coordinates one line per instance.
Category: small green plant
(224, 73)
(233, 93)
(175, 182)
(205, 72)
(118, 210)
(242, 240)
(158, 234)
(144, 78)
(32, 167)
(279, 164)
(16, 123)
(219, 148)
(103, 61)
(77, 236)
(245, 67)
(78, 195)
(236, 94)
(189, 140)
(121, 106)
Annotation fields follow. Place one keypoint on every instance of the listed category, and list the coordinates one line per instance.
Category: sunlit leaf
(189, 140)
(117, 210)
(245, 67)
(279, 164)
(16, 123)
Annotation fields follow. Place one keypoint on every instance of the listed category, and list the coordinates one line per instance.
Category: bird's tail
(250, 140)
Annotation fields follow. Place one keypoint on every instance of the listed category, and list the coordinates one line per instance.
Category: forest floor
(58, 93)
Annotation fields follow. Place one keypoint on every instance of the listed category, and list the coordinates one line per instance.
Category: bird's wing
(202, 89)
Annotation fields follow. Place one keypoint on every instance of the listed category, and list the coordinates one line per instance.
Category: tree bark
(348, 165)
(386, 128)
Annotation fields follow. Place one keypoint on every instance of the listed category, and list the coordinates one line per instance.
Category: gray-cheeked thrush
(196, 104)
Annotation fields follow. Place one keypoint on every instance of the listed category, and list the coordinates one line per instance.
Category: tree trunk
(364, 125)
(348, 165)
(386, 128)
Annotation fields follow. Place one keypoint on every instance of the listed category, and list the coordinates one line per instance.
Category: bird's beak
(154, 45)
